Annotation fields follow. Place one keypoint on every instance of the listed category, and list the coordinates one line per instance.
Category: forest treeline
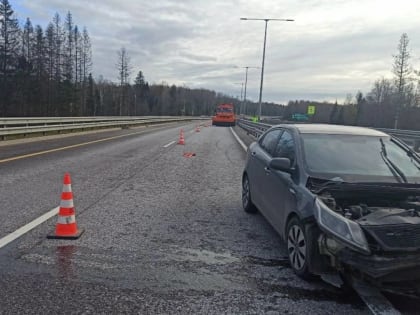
(44, 72)
(49, 73)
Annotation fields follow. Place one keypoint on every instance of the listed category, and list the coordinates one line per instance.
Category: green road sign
(300, 117)
(311, 110)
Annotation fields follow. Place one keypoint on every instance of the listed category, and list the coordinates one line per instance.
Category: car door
(279, 186)
(260, 155)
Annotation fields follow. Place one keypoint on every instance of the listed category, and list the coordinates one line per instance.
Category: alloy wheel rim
(296, 245)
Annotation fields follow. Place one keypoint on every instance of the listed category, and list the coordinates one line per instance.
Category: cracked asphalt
(164, 234)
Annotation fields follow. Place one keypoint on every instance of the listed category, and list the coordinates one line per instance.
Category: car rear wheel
(247, 204)
(298, 248)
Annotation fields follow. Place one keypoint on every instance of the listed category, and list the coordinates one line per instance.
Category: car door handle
(292, 191)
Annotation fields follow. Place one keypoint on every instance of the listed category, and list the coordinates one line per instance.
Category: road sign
(311, 110)
(298, 116)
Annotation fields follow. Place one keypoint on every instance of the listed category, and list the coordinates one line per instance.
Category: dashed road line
(26, 228)
(169, 144)
(238, 139)
(74, 146)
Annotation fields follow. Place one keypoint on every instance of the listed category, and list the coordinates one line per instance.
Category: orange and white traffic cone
(66, 227)
(181, 137)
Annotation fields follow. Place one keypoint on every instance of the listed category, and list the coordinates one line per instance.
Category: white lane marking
(170, 143)
(26, 228)
(238, 139)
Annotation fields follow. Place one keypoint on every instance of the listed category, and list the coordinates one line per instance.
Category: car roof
(336, 130)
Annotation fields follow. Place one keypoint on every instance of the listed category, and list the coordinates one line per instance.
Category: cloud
(333, 48)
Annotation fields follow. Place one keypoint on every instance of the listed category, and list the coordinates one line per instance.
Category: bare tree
(402, 70)
(124, 69)
(86, 54)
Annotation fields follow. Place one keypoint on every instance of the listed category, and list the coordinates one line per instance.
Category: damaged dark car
(346, 200)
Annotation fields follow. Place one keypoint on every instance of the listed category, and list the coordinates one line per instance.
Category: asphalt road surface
(164, 234)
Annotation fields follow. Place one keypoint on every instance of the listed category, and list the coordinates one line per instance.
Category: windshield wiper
(395, 170)
(414, 158)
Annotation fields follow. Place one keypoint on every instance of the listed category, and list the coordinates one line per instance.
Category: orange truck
(224, 115)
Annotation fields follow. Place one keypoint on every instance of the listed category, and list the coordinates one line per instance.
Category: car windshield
(224, 110)
(359, 158)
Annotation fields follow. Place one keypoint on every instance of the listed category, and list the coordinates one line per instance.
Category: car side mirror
(281, 164)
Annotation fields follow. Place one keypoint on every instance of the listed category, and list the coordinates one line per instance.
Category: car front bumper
(399, 267)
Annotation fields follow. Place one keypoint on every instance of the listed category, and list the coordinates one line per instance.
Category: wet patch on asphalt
(283, 262)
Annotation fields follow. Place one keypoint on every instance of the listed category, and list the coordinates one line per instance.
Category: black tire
(298, 248)
(247, 204)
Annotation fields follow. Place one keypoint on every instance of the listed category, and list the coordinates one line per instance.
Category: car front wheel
(298, 248)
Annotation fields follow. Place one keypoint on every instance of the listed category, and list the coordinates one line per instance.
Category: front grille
(396, 237)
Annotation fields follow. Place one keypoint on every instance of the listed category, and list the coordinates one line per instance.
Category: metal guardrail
(27, 121)
(254, 128)
(410, 137)
(43, 125)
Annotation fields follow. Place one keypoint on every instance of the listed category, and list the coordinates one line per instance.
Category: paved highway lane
(31, 185)
(164, 234)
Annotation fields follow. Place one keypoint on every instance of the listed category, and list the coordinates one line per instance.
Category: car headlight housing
(344, 229)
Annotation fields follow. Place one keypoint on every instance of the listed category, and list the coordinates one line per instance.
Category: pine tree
(77, 54)
(28, 41)
(9, 52)
(90, 99)
(140, 94)
(50, 63)
(58, 45)
(41, 79)
(69, 47)
(124, 69)
(402, 70)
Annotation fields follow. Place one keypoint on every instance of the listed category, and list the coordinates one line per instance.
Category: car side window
(285, 147)
(269, 142)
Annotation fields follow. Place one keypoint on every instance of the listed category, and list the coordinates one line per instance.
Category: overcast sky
(334, 47)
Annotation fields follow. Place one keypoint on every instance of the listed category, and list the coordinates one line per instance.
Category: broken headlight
(345, 230)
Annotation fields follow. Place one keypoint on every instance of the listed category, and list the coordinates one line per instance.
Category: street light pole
(262, 73)
(246, 82)
(263, 59)
(242, 90)
(244, 101)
